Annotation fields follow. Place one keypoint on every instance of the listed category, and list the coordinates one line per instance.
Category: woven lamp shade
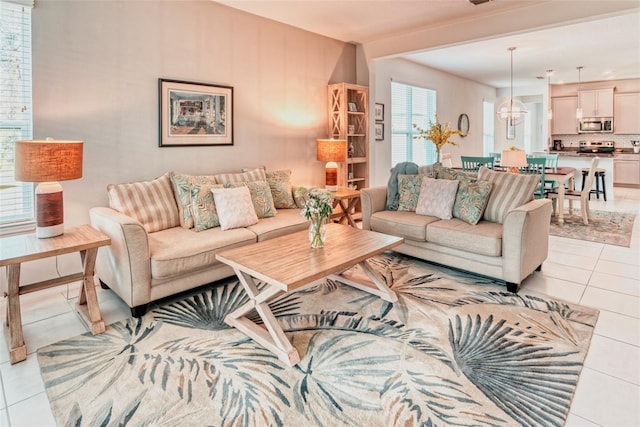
(332, 150)
(45, 161)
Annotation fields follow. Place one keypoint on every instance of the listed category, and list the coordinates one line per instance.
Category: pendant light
(550, 114)
(579, 109)
(511, 111)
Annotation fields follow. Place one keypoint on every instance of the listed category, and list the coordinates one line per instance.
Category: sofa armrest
(373, 200)
(525, 239)
(125, 266)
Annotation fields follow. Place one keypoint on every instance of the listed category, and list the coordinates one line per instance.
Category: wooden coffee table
(288, 262)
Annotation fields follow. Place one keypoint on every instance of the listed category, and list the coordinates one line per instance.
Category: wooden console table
(18, 249)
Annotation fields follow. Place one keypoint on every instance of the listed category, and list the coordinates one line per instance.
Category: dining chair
(551, 163)
(582, 196)
(474, 163)
(536, 165)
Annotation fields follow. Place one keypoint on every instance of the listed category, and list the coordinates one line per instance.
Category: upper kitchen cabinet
(564, 115)
(626, 107)
(596, 102)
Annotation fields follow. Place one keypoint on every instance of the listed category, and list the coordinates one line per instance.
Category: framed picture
(378, 112)
(194, 114)
(353, 107)
(379, 131)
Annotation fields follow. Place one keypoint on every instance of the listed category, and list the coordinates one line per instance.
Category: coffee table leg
(375, 286)
(273, 338)
(88, 301)
(17, 348)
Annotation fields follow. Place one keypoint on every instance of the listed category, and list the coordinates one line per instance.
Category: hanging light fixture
(579, 109)
(511, 111)
(549, 72)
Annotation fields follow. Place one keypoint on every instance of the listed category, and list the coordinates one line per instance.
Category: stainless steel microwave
(596, 125)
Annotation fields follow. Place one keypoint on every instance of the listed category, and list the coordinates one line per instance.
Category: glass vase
(317, 232)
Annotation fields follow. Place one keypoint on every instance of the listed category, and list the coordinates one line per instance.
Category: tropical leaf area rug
(612, 228)
(455, 349)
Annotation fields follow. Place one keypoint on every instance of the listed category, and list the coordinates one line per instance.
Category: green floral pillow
(409, 190)
(280, 185)
(260, 196)
(182, 190)
(203, 207)
(442, 172)
(471, 200)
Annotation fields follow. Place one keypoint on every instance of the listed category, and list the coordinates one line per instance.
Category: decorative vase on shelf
(317, 232)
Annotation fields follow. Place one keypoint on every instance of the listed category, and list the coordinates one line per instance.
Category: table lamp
(513, 159)
(331, 151)
(48, 162)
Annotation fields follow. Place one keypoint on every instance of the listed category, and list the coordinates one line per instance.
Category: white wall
(455, 96)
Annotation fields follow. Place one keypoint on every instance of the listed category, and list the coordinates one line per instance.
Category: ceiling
(607, 47)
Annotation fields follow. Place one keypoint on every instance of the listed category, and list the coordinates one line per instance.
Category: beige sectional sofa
(155, 249)
(509, 246)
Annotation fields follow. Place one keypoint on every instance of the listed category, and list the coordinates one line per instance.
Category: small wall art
(378, 112)
(379, 131)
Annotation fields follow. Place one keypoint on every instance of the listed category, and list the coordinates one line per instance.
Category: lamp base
(331, 176)
(514, 169)
(49, 210)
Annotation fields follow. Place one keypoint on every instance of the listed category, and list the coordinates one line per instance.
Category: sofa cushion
(281, 189)
(151, 203)
(260, 197)
(471, 200)
(437, 197)
(509, 192)
(484, 238)
(203, 208)
(234, 206)
(402, 224)
(409, 190)
(286, 222)
(393, 186)
(182, 190)
(257, 174)
(177, 251)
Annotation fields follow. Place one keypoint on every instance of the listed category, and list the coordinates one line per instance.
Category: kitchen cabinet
(626, 169)
(596, 102)
(564, 120)
(626, 107)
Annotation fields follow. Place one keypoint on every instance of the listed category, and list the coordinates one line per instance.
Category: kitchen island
(579, 161)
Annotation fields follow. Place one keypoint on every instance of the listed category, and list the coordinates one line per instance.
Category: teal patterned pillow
(409, 190)
(182, 190)
(442, 172)
(471, 200)
(203, 207)
(280, 185)
(260, 196)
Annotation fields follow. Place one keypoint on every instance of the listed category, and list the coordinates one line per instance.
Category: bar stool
(599, 174)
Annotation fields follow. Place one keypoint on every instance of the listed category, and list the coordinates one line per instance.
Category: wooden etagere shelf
(349, 120)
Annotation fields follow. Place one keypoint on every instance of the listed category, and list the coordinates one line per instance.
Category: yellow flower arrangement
(439, 134)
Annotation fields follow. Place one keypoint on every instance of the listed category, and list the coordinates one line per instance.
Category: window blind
(16, 198)
(411, 105)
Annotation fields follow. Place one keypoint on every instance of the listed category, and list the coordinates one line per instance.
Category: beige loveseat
(509, 248)
(155, 249)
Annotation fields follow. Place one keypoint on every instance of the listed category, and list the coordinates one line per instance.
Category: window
(411, 105)
(16, 198)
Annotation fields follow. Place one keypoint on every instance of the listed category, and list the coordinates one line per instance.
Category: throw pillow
(257, 174)
(393, 186)
(260, 197)
(203, 207)
(471, 200)
(280, 184)
(437, 197)
(409, 190)
(151, 203)
(182, 190)
(509, 192)
(442, 172)
(234, 207)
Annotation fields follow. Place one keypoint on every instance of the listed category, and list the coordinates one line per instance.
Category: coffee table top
(289, 261)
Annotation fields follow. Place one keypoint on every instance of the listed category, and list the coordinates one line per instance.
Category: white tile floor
(602, 276)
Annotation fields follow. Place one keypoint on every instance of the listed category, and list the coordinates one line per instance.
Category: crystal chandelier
(511, 111)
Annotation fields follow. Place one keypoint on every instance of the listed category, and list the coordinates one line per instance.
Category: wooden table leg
(374, 286)
(17, 348)
(347, 211)
(88, 301)
(273, 338)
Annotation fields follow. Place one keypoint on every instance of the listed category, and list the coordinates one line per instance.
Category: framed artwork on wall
(379, 131)
(378, 112)
(195, 114)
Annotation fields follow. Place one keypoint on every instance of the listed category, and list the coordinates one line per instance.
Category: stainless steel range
(596, 147)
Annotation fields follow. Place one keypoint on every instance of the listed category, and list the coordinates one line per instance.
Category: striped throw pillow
(152, 203)
(257, 174)
(509, 191)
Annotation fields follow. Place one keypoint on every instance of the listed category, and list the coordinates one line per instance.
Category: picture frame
(378, 112)
(379, 131)
(194, 114)
(353, 108)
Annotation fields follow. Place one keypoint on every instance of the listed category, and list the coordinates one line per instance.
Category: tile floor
(602, 276)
